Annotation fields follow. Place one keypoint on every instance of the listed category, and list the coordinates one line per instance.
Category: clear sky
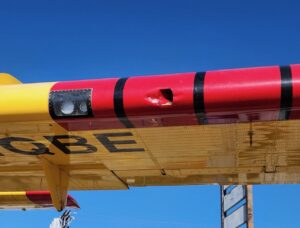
(68, 40)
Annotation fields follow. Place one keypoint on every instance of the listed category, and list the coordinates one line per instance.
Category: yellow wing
(43, 146)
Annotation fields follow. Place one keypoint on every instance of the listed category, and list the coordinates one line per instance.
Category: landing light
(83, 107)
(67, 107)
(70, 103)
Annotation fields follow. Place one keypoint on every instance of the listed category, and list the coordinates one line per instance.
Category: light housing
(70, 103)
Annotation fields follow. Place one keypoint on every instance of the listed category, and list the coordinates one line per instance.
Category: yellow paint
(187, 155)
(25, 109)
(58, 181)
(13, 193)
(24, 102)
(7, 79)
(14, 199)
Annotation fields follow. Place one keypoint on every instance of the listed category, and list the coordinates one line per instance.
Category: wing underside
(257, 153)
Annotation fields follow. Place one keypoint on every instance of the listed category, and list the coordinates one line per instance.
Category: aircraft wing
(236, 126)
(31, 200)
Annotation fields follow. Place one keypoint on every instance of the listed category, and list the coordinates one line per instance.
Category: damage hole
(166, 97)
(167, 94)
(161, 97)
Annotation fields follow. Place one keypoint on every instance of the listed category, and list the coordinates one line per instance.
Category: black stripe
(118, 103)
(286, 92)
(199, 106)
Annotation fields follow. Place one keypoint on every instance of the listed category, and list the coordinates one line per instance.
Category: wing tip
(7, 79)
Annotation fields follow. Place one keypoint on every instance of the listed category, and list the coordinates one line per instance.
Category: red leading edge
(43, 199)
(213, 97)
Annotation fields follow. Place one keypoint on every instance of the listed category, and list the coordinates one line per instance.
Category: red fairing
(39, 197)
(295, 112)
(102, 105)
(165, 100)
(242, 95)
(226, 96)
(71, 202)
(43, 198)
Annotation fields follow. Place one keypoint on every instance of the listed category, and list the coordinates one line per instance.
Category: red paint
(44, 198)
(295, 111)
(165, 100)
(102, 105)
(71, 202)
(239, 95)
(242, 95)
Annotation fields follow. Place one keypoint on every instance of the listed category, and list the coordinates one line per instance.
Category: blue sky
(68, 40)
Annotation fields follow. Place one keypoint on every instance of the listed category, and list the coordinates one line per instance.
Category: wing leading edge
(31, 200)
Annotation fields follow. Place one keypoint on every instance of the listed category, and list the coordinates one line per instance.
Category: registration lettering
(64, 143)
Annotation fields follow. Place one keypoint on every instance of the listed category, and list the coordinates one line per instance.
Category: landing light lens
(70, 103)
(67, 107)
(83, 107)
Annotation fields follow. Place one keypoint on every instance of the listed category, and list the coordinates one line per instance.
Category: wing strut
(236, 206)
(57, 179)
